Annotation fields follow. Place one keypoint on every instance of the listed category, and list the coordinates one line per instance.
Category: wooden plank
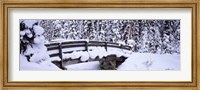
(93, 44)
(71, 46)
(96, 42)
(112, 43)
(53, 55)
(113, 46)
(73, 42)
(52, 48)
(51, 44)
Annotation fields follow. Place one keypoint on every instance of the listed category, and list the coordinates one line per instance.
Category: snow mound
(116, 52)
(84, 66)
(147, 61)
(45, 65)
(97, 51)
(93, 53)
(38, 30)
(76, 54)
(84, 56)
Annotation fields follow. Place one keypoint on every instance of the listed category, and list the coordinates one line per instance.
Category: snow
(148, 61)
(39, 39)
(39, 53)
(116, 52)
(84, 56)
(22, 33)
(54, 59)
(29, 50)
(30, 35)
(58, 26)
(84, 66)
(27, 31)
(45, 65)
(73, 49)
(36, 52)
(66, 56)
(29, 23)
(137, 62)
(93, 53)
(145, 36)
(97, 51)
(38, 30)
(76, 54)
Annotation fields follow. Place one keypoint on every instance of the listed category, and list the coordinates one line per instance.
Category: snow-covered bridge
(87, 55)
(73, 52)
(57, 48)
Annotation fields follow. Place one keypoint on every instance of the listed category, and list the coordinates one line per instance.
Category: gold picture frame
(6, 4)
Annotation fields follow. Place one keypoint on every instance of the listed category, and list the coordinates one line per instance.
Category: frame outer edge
(3, 39)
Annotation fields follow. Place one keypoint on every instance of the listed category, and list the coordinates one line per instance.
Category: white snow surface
(147, 61)
(93, 53)
(54, 59)
(137, 62)
(84, 56)
(29, 23)
(38, 30)
(84, 66)
(134, 62)
(44, 65)
(39, 53)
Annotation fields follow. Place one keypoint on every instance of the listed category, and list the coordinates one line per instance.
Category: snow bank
(84, 66)
(116, 52)
(84, 56)
(138, 62)
(93, 53)
(97, 51)
(39, 53)
(147, 61)
(44, 65)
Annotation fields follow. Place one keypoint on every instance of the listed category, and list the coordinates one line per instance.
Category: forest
(144, 36)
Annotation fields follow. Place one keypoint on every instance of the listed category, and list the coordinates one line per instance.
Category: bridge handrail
(85, 44)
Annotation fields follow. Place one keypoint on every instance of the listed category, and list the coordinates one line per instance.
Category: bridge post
(60, 54)
(106, 47)
(86, 46)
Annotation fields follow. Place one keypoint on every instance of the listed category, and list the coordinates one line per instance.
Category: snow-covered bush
(32, 41)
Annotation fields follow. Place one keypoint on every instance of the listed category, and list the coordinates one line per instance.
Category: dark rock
(111, 62)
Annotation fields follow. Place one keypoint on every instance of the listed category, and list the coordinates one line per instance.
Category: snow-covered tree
(32, 41)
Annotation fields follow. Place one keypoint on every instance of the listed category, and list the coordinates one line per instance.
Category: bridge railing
(56, 49)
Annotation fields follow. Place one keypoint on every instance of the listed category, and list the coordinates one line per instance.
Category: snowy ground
(147, 61)
(135, 61)
(138, 61)
(84, 66)
(44, 65)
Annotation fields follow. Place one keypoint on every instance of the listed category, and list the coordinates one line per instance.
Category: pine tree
(32, 41)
